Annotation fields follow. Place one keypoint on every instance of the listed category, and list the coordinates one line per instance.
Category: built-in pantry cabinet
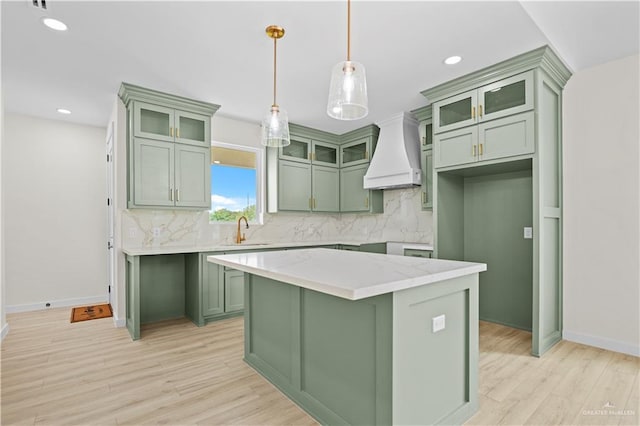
(168, 150)
(425, 131)
(497, 187)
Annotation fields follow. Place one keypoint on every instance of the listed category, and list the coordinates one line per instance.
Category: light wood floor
(89, 373)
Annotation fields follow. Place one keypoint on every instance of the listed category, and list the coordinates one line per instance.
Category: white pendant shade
(275, 128)
(348, 92)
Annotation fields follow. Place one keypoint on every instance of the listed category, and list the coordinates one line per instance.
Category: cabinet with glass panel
(168, 145)
(509, 96)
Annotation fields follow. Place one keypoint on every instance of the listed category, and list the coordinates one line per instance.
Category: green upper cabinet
(353, 197)
(305, 150)
(322, 172)
(168, 146)
(171, 125)
(502, 138)
(509, 96)
(153, 172)
(294, 186)
(355, 152)
(425, 131)
(325, 185)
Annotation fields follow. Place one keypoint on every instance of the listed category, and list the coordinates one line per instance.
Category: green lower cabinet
(374, 361)
(212, 290)
(233, 290)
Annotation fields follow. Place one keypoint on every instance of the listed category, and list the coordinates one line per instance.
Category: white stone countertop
(249, 245)
(347, 274)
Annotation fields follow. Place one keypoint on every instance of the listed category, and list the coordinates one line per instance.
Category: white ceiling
(218, 51)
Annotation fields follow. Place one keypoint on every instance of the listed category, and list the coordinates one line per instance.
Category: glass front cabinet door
(298, 150)
(355, 152)
(324, 154)
(192, 129)
(505, 97)
(153, 122)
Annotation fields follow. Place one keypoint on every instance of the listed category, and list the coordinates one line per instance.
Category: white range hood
(396, 160)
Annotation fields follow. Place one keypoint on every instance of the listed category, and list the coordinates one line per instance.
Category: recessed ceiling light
(54, 24)
(63, 111)
(451, 60)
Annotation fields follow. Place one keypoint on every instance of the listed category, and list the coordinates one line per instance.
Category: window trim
(260, 181)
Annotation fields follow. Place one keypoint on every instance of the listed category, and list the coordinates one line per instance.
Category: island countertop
(347, 274)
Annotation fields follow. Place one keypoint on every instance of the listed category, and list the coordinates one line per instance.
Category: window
(235, 183)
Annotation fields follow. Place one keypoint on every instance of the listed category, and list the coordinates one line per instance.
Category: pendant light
(275, 124)
(348, 88)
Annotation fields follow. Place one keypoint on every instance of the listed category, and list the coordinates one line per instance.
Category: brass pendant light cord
(275, 40)
(348, 30)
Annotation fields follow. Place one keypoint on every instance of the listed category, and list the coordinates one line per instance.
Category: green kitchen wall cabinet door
(192, 129)
(456, 147)
(294, 186)
(153, 121)
(299, 149)
(324, 154)
(192, 176)
(355, 152)
(427, 178)
(506, 137)
(325, 189)
(153, 172)
(353, 197)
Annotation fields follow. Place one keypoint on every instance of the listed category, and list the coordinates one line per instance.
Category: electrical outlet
(528, 232)
(437, 323)
(156, 232)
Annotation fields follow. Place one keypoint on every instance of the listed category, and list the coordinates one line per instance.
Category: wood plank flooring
(90, 373)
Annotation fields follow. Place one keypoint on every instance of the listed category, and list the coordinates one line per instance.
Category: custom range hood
(396, 160)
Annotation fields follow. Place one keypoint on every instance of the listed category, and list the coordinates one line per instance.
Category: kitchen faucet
(240, 237)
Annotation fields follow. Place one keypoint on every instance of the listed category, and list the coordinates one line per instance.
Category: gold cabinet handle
(366, 202)
(310, 205)
(479, 110)
(171, 194)
(473, 151)
(177, 132)
(480, 150)
(424, 140)
(177, 195)
(473, 112)
(314, 203)
(366, 155)
(171, 131)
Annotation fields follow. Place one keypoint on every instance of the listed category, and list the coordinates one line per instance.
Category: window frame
(260, 181)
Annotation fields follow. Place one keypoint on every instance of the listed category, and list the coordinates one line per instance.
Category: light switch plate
(156, 232)
(437, 323)
(528, 232)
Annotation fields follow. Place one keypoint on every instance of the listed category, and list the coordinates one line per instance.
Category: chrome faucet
(240, 237)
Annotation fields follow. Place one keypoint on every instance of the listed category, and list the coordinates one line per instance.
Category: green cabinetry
(168, 140)
(425, 130)
(322, 172)
(497, 156)
(497, 99)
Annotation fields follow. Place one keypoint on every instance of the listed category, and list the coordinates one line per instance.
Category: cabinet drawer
(418, 253)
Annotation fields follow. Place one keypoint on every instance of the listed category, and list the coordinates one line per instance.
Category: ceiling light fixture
(348, 89)
(275, 125)
(63, 111)
(54, 24)
(452, 60)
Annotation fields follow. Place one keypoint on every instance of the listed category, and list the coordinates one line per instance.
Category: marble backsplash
(402, 220)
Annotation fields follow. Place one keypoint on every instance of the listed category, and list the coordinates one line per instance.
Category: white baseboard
(62, 303)
(602, 342)
(5, 331)
(119, 323)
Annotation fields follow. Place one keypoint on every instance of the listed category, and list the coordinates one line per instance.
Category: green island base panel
(374, 361)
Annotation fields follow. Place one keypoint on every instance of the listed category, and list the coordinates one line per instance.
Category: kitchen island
(364, 338)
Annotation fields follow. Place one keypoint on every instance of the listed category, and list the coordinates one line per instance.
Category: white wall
(54, 211)
(4, 328)
(601, 206)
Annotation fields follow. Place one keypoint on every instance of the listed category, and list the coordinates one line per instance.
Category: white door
(111, 265)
